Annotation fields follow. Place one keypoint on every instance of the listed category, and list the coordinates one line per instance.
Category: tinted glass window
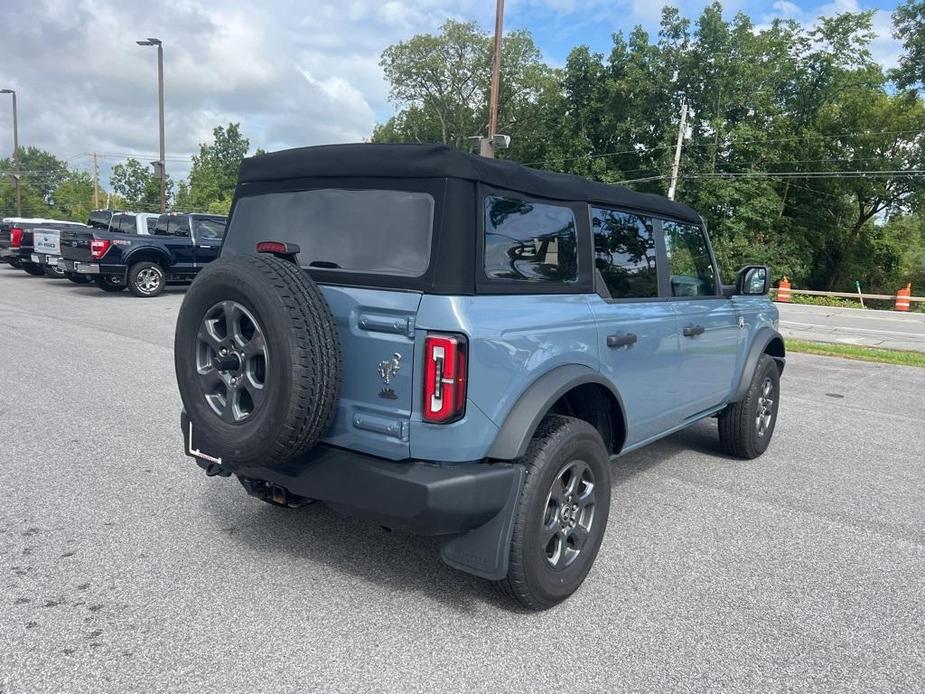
(689, 258)
(209, 228)
(127, 224)
(529, 241)
(99, 220)
(179, 226)
(151, 222)
(161, 226)
(370, 231)
(624, 253)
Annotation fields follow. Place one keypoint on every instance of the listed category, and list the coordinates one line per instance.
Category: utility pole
(17, 173)
(487, 144)
(677, 152)
(96, 184)
(161, 169)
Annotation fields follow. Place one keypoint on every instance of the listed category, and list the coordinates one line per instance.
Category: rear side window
(160, 227)
(384, 232)
(127, 224)
(179, 226)
(529, 241)
(625, 253)
(692, 271)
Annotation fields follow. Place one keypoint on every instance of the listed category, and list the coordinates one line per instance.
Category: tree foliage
(791, 129)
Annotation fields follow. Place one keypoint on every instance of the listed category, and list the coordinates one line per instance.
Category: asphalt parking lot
(126, 569)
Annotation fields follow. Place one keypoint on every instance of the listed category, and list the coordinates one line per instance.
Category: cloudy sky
(292, 73)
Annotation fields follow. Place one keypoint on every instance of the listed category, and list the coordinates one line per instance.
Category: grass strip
(875, 354)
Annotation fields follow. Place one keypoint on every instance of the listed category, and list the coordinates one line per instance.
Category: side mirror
(753, 280)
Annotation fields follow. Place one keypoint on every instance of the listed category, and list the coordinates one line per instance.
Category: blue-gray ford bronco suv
(456, 346)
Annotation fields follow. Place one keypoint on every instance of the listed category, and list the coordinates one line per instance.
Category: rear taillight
(98, 247)
(15, 237)
(444, 378)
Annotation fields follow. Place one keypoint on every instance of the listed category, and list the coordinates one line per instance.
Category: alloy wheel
(231, 359)
(569, 514)
(765, 407)
(149, 279)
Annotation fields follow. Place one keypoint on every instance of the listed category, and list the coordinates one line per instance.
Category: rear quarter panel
(513, 340)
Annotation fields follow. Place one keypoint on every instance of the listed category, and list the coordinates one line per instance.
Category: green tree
(441, 83)
(138, 186)
(214, 173)
(909, 27)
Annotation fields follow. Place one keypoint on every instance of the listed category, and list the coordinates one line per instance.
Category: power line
(729, 143)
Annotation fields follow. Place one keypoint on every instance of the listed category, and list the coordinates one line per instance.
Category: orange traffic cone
(783, 291)
(902, 298)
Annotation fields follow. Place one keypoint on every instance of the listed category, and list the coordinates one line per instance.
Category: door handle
(615, 341)
(692, 330)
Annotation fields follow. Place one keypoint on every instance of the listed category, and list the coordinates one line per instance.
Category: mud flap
(485, 551)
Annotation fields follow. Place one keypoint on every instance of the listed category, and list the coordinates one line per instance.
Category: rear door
(637, 328)
(708, 322)
(179, 243)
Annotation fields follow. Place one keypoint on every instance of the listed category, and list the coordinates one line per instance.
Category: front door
(708, 322)
(207, 235)
(637, 331)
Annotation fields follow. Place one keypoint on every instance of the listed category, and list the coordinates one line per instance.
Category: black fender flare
(759, 345)
(521, 422)
(162, 255)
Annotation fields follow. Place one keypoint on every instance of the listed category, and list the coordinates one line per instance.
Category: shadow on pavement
(401, 562)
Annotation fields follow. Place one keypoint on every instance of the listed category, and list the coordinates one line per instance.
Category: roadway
(125, 569)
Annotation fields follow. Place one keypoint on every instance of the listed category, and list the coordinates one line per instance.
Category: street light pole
(160, 113)
(487, 145)
(17, 174)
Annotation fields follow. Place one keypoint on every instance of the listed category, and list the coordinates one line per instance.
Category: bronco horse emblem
(388, 369)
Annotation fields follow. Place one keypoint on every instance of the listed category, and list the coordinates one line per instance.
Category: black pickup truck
(16, 241)
(181, 245)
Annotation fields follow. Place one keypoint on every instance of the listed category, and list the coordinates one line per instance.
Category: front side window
(692, 271)
(209, 229)
(625, 253)
(529, 241)
(384, 232)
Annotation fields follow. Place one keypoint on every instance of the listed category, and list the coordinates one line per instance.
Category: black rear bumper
(473, 499)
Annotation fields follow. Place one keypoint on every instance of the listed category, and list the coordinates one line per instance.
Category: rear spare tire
(258, 361)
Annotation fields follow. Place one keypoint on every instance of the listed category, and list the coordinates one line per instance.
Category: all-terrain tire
(302, 372)
(33, 269)
(532, 578)
(146, 279)
(109, 283)
(746, 427)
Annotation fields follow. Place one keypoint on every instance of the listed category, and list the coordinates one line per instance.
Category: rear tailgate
(377, 392)
(47, 241)
(74, 244)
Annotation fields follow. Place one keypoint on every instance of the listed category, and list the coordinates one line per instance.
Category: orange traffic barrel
(902, 298)
(783, 291)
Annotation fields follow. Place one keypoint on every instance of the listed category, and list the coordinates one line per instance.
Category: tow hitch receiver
(274, 493)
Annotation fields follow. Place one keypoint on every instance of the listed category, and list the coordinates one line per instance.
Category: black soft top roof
(442, 161)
